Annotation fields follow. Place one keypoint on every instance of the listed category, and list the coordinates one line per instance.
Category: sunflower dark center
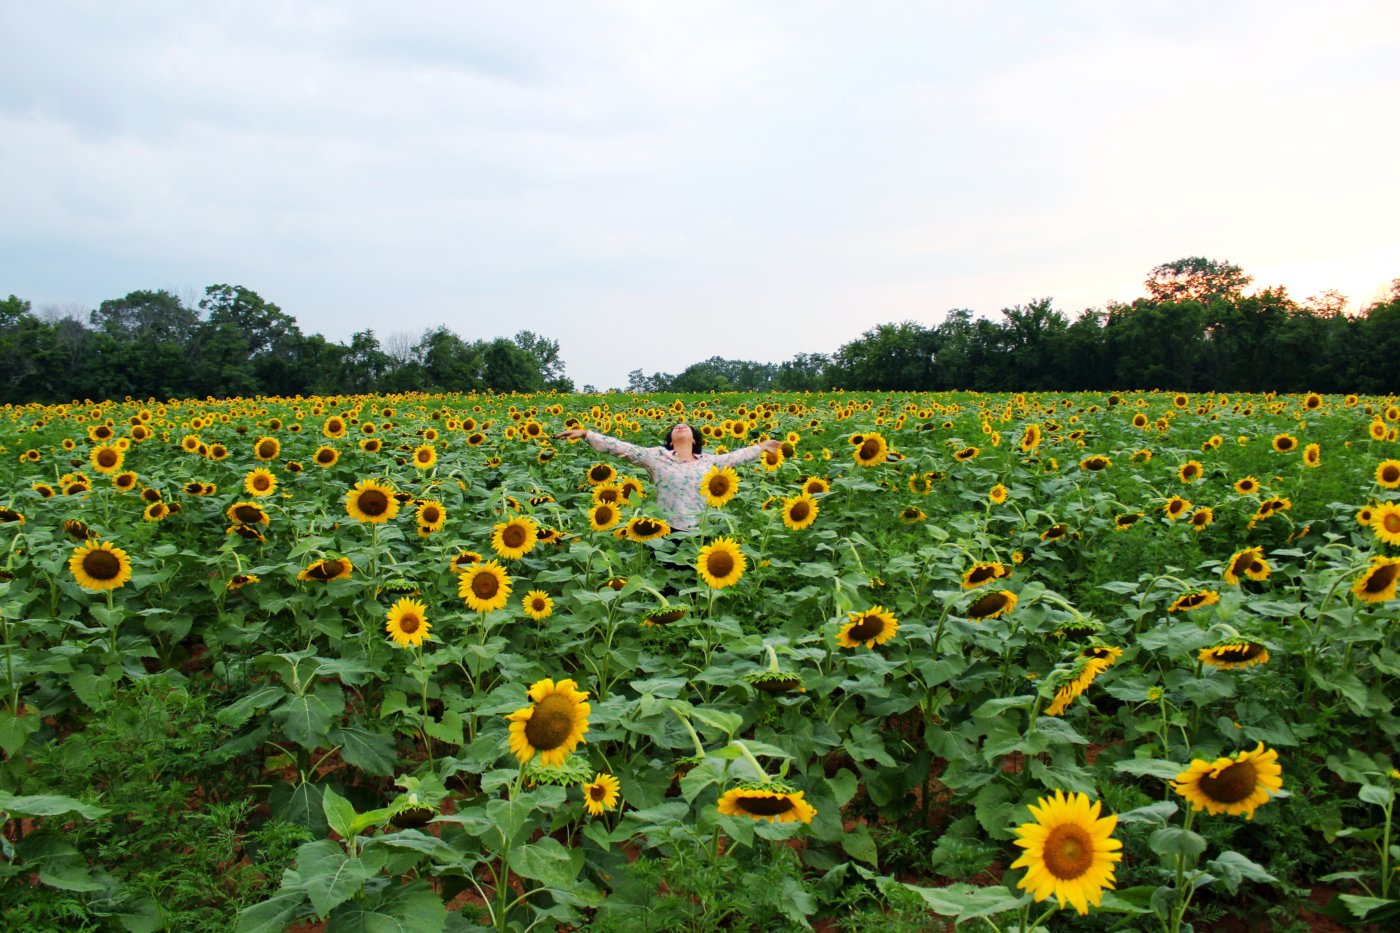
(107, 458)
(765, 806)
(513, 536)
(981, 574)
(1382, 578)
(1390, 474)
(1056, 531)
(647, 527)
(102, 565)
(1069, 851)
(267, 450)
(597, 793)
(1233, 784)
(799, 511)
(720, 564)
(719, 485)
(1242, 564)
(486, 586)
(600, 473)
(1236, 654)
(325, 455)
(1391, 522)
(662, 618)
(9, 515)
(988, 605)
(537, 604)
(409, 623)
(1257, 566)
(870, 626)
(431, 515)
(373, 502)
(424, 456)
(609, 496)
(870, 449)
(262, 482)
(1192, 601)
(551, 723)
(247, 514)
(1094, 463)
(325, 570)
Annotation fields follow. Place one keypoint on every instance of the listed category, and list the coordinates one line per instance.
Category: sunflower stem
(772, 658)
(753, 762)
(694, 736)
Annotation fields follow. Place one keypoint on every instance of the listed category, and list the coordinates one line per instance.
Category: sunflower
(774, 802)
(641, 528)
(267, 448)
(125, 481)
(1234, 655)
(600, 473)
(721, 563)
(425, 456)
(1234, 786)
(771, 459)
(1125, 521)
(1378, 430)
(106, 458)
(816, 485)
(240, 580)
(1030, 438)
(871, 450)
(1095, 463)
(371, 501)
(260, 482)
(1201, 518)
(1388, 474)
(992, 605)
(485, 587)
(325, 456)
(1385, 522)
(1054, 532)
(464, 560)
(966, 454)
(1247, 486)
(603, 516)
(1176, 507)
(1190, 471)
(98, 565)
(1284, 443)
(407, 623)
(1086, 670)
(155, 512)
(799, 512)
(1247, 563)
(72, 528)
(515, 538)
(538, 605)
(327, 569)
(552, 725)
(1189, 601)
(600, 794)
(44, 490)
(982, 573)
(1312, 455)
(998, 494)
(719, 485)
(247, 513)
(1070, 851)
(1378, 583)
(334, 427)
(874, 626)
(250, 532)
(431, 516)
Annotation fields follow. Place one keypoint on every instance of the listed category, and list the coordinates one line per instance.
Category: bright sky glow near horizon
(655, 183)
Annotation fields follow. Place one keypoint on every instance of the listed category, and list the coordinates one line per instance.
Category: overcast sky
(654, 183)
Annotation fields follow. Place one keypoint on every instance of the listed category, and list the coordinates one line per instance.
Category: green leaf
(726, 723)
(1232, 868)
(331, 877)
(1151, 767)
(1173, 840)
(546, 861)
(236, 714)
(340, 814)
(1001, 704)
(272, 915)
(965, 901)
(859, 844)
(300, 804)
(307, 719)
(993, 807)
(1380, 796)
(410, 908)
(16, 730)
(48, 805)
(371, 752)
(1152, 813)
(1371, 909)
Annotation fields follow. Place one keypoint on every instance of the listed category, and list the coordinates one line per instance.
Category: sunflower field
(414, 663)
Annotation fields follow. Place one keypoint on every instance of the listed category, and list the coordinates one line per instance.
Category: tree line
(1195, 330)
(235, 343)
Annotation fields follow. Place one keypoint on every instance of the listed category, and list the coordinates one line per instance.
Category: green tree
(1196, 279)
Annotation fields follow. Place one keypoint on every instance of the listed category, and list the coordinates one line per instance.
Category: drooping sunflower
(240, 580)
(515, 538)
(106, 458)
(98, 565)
(327, 569)
(407, 623)
(371, 501)
(642, 528)
(874, 626)
(485, 587)
(1070, 851)
(247, 513)
(966, 454)
(1285, 443)
(1385, 522)
(992, 605)
(1234, 786)
(720, 485)
(982, 573)
(1054, 532)
(911, 515)
(1234, 655)
(1125, 521)
(425, 456)
(1388, 474)
(1189, 601)
(871, 450)
(465, 559)
(772, 801)
(1378, 583)
(538, 605)
(1248, 563)
(721, 563)
(1176, 507)
(600, 794)
(1190, 471)
(267, 449)
(325, 456)
(799, 512)
(260, 482)
(431, 516)
(552, 725)
(603, 516)
(1095, 464)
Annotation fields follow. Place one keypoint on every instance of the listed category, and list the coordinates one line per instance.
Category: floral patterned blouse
(678, 482)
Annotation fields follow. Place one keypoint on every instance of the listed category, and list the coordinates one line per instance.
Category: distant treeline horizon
(1195, 330)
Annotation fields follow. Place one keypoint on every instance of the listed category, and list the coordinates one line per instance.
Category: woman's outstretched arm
(633, 453)
(744, 454)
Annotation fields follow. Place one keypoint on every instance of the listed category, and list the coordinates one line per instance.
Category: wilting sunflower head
(874, 626)
(771, 801)
(991, 605)
(98, 566)
(1233, 786)
(327, 569)
(371, 501)
(1196, 600)
(1248, 563)
(1234, 655)
(776, 682)
(1070, 851)
(1125, 521)
(721, 563)
(644, 528)
(1054, 532)
(552, 725)
(982, 573)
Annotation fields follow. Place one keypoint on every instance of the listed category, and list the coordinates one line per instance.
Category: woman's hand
(769, 445)
(573, 434)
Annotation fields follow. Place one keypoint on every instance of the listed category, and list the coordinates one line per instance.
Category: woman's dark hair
(699, 438)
